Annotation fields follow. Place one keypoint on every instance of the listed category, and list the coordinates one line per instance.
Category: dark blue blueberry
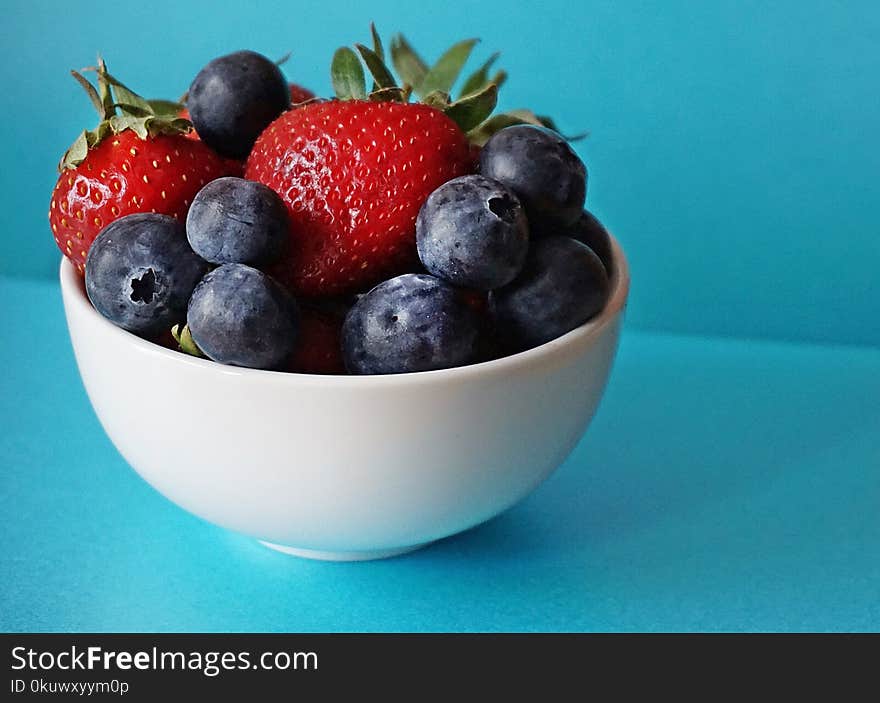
(473, 232)
(414, 322)
(590, 231)
(562, 286)
(234, 221)
(140, 273)
(540, 167)
(234, 98)
(240, 316)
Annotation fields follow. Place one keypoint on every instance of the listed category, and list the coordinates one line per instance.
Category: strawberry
(137, 160)
(319, 347)
(355, 171)
(477, 300)
(298, 94)
(353, 175)
(192, 134)
(166, 339)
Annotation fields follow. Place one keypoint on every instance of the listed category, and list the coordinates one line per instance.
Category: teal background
(734, 145)
(724, 485)
(730, 480)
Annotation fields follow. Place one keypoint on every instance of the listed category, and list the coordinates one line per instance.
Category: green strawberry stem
(479, 78)
(378, 49)
(443, 74)
(185, 342)
(347, 75)
(472, 111)
(119, 109)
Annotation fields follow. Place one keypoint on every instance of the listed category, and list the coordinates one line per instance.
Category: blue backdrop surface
(725, 483)
(715, 490)
(733, 144)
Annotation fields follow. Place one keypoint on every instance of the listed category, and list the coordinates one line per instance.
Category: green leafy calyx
(120, 108)
(185, 342)
(433, 85)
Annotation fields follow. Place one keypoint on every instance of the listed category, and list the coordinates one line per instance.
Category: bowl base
(342, 556)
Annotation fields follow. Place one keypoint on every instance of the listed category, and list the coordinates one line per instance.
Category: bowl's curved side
(346, 464)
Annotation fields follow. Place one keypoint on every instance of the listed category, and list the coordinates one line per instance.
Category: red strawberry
(115, 171)
(192, 134)
(298, 94)
(319, 345)
(353, 175)
(477, 300)
(166, 339)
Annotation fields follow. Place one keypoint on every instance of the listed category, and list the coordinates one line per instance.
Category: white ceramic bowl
(343, 467)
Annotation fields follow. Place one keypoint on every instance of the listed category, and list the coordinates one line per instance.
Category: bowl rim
(74, 295)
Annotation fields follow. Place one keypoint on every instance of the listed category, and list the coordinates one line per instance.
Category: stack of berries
(266, 228)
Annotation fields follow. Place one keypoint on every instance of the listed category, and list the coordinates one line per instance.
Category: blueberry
(234, 98)
(590, 231)
(540, 167)
(240, 316)
(473, 232)
(414, 322)
(234, 221)
(562, 286)
(140, 273)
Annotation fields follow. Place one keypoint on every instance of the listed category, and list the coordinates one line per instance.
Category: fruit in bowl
(358, 319)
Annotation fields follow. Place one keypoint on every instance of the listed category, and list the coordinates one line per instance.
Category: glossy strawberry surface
(319, 347)
(354, 175)
(123, 175)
